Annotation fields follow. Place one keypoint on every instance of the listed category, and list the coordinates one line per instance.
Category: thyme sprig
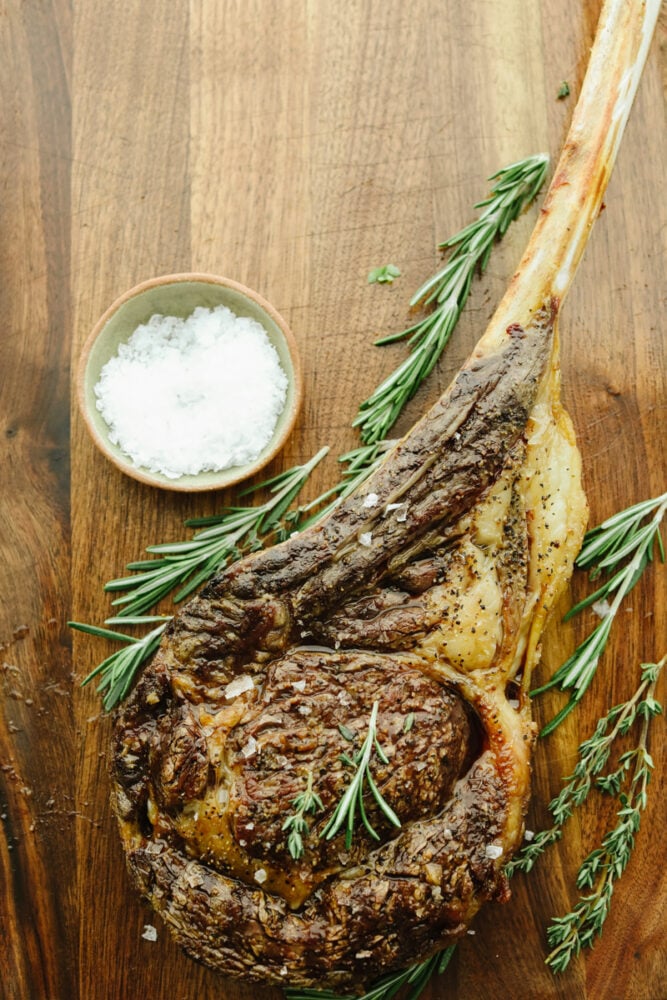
(592, 757)
(625, 536)
(515, 188)
(305, 802)
(603, 867)
(353, 796)
(417, 976)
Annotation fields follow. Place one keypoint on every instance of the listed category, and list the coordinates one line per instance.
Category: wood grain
(291, 145)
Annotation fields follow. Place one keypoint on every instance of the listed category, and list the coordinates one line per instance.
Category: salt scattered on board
(184, 396)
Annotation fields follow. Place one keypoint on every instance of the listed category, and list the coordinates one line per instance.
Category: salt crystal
(402, 515)
(283, 971)
(471, 933)
(250, 748)
(250, 826)
(365, 539)
(529, 835)
(184, 396)
(304, 709)
(514, 703)
(393, 506)
(299, 685)
(493, 851)
(371, 500)
(260, 876)
(238, 686)
(150, 933)
(601, 608)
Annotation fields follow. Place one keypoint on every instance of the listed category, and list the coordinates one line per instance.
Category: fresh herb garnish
(417, 976)
(623, 536)
(593, 755)
(346, 810)
(384, 275)
(603, 867)
(516, 186)
(563, 90)
(305, 802)
(117, 671)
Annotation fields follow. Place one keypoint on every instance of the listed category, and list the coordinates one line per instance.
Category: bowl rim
(228, 477)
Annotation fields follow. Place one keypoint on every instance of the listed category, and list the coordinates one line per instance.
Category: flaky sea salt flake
(238, 686)
(250, 748)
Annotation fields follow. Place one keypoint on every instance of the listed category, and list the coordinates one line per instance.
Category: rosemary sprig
(593, 755)
(118, 670)
(297, 824)
(603, 867)
(623, 536)
(345, 811)
(416, 975)
(516, 186)
(223, 538)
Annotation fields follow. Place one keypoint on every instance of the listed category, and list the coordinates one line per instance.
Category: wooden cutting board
(292, 145)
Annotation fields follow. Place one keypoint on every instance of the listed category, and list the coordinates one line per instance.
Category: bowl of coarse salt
(190, 382)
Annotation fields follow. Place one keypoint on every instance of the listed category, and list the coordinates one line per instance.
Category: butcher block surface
(293, 146)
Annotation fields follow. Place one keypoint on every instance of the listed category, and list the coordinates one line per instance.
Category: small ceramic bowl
(179, 295)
